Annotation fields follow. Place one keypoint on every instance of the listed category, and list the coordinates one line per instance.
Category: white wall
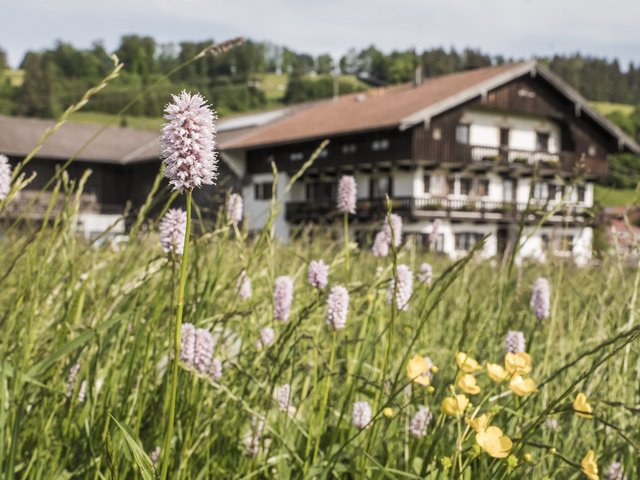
(92, 224)
(403, 183)
(485, 127)
(236, 161)
(257, 211)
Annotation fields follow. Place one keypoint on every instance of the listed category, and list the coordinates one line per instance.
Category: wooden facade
(434, 143)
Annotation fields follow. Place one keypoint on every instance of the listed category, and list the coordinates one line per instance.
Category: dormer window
(462, 134)
(349, 148)
(542, 141)
(296, 156)
(382, 144)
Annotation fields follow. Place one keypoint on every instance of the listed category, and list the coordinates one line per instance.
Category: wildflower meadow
(196, 350)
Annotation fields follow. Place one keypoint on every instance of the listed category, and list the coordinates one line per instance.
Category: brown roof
(18, 136)
(378, 108)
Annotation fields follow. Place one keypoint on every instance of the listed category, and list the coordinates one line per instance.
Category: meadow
(225, 354)
(88, 332)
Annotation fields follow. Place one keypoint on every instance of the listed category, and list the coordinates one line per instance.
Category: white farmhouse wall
(485, 128)
(91, 224)
(257, 211)
(403, 183)
(362, 182)
(236, 160)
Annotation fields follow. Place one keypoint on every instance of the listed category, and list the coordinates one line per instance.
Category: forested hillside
(240, 79)
(260, 75)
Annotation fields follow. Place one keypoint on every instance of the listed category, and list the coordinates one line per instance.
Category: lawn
(88, 338)
(607, 108)
(145, 123)
(613, 197)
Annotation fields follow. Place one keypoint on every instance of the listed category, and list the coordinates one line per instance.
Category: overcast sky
(516, 28)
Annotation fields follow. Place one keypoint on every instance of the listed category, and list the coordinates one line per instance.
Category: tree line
(57, 76)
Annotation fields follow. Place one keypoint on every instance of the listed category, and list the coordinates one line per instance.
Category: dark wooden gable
(527, 95)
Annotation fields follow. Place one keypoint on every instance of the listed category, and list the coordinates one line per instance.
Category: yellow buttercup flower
(589, 466)
(419, 370)
(496, 372)
(468, 384)
(582, 407)
(521, 386)
(387, 412)
(454, 406)
(494, 442)
(517, 363)
(479, 424)
(466, 363)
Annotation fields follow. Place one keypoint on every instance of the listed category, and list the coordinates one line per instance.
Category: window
(539, 191)
(553, 189)
(324, 153)
(483, 187)
(546, 241)
(462, 134)
(581, 191)
(566, 243)
(504, 137)
(349, 148)
(320, 191)
(262, 191)
(379, 187)
(508, 190)
(465, 186)
(296, 156)
(382, 144)
(542, 141)
(429, 243)
(451, 185)
(426, 182)
(466, 240)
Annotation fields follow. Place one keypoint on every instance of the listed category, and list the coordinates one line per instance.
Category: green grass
(275, 85)
(607, 108)
(144, 123)
(110, 311)
(613, 197)
(15, 77)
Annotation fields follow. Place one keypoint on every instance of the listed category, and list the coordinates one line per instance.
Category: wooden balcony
(417, 208)
(507, 158)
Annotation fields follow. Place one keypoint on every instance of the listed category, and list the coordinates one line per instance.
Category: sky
(514, 28)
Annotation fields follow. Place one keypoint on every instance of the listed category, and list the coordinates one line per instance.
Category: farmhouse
(124, 163)
(477, 150)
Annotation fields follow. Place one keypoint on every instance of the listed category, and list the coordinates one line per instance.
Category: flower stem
(346, 239)
(176, 345)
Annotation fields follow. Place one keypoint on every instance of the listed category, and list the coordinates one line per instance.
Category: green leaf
(142, 460)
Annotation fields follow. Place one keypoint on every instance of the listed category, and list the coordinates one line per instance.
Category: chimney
(417, 77)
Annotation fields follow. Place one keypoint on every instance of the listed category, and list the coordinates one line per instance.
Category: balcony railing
(34, 205)
(432, 207)
(502, 156)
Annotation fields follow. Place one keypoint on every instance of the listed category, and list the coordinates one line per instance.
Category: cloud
(518, 28)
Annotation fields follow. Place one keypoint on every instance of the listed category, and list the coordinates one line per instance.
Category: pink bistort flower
(188, 142)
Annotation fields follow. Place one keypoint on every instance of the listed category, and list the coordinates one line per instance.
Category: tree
(324, 64)
(138, 54)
